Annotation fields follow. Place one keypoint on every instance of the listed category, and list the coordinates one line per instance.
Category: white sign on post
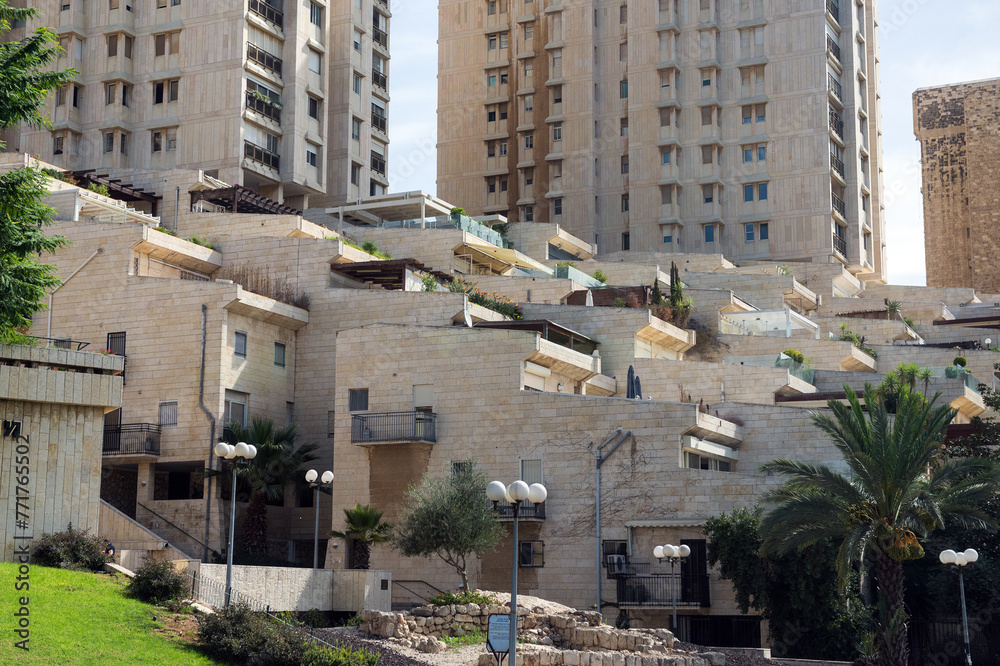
(498, 634)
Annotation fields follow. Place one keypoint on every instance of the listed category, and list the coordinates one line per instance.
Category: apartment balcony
(837, 165)
(378, 164)
(380, 37)
(141, 439)
(641, 584)
(380, 80)
(834, 9)
(265, 107)
(261, 57)
(267, 12)
(383, 4)
(393, 428)
(527, 511)
(836, 89)
(840, 244)
(837, 124)
(833, 47)
(261, 155)
(839, 206)
(378, 122)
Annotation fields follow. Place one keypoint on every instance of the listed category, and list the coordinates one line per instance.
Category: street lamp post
(673, 553)
(515, 493)
(960, 560)
(230, 452)
(325, 480)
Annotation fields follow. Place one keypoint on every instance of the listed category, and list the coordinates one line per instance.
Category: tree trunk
(893, 648)
(362, 555)
(255, 525)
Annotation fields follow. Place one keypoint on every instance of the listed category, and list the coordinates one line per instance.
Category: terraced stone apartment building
(747, 128)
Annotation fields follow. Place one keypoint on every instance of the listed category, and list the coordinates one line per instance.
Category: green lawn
(85, 618)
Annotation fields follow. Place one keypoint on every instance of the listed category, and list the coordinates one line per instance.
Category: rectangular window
(707, 193)
(747, 193)
(109, 142)
(357, 84)
(615, 555)
(623, 126)
(625, 205)
(128, 47)
(236, 407)
(761, 113)
(747, 155)
(357, 400)
(762, 192)
(168, 414)
(157, 141)
(356, 129)
(706, 115)
(355, 174)
(160, 44)
(747, 114)
(491, 43)
(491, 115)
(158, 92)
(763, 231)
(625, 164)
(112, 46)
(57, 145)
(124, 143)
(110, 92)
(279, 354)
(709, 233)
(126, 95)
(357, 41)
(706, 154)
(529, 140)
(240, 344)
(315, 62)
(626, 242)
(557, 132)
(557, 94)
(171, 139)
(77, 94)
(315, 14)
(310, 157)
(502, 148)
(504, 40)
(173, 90)
(529, 31)
(314, 108)
(748, 232)
(761, 153)
(557, 207)
(529, 213)
(60, 95)
(531, 554)
(529, 102)
(623, 89)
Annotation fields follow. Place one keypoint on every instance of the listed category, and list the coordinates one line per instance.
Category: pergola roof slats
(239, 199)
(116, 189)
(390, 274)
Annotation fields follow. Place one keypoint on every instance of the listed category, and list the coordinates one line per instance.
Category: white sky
(922, 43)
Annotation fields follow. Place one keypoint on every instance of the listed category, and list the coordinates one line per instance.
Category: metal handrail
(638, 585)
(833, 46)
(393, 427)
(378, 164)
(380, 37)
(208, 548)
(834, 10)
(840, 244)
(838, 89)
(837, 164)
(379, 79)
(414, 592)
(132, 439)
(263, 58)
(262, 155)
(267, 12)
(59, 342)
(837, 124)
(264, 107)
(839, 205)
(378, 122)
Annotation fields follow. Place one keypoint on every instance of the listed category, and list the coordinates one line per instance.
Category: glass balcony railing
(952, 372)
(578, 276)
(466, 224)
(799, 370)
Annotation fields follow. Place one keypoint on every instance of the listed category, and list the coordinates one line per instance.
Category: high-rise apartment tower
(288, 98)
(744, 127)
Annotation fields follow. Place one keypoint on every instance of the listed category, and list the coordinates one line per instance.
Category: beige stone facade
(690, 127)
(957, 128)
(276, 95)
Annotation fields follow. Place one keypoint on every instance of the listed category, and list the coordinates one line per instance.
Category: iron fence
(527, 510)
(267, 12)
(833, 47)
(132, 438)
(261, 155)
(394, 427)
(639, 584)
(263, 106)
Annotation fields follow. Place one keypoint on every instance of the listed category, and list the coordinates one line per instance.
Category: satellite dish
(468, 319)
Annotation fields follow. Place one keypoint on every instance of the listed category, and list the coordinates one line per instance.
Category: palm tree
(278, 464)
(925, 375)
(365, 527)
(892, 309)
(900, 488)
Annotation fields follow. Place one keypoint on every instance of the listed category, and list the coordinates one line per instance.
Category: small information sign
(498, 636)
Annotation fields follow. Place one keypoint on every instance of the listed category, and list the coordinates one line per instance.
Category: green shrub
(496, 302)
(202, 241)
(430, 283)
(909, 321)
(458, 210)
(959, 361)
(72, 549)
(566, 263)
(600, 276)
(97, 188)
(465, 597)
(369, 246)
(795, 355)
(460, 286)
(620, 302)
(320, 655)
(157, 582)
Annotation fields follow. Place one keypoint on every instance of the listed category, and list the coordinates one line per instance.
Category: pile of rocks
(576, 638)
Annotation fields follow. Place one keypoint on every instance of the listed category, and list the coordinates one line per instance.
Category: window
(529, 102)
(491, 80)
(667, 194)
(529, 213)
(168, 414)
(623, 89)
(109, 142)
(706, 115)
(491, 149)
(173, 90)
(623, 51)
(157, 141)
(77, 94)
(279, 354)
(110, 91)
(623, 14)
(491, 7)
(61, 96)
(503, 183)
(112, 46)
(706, 77)
(112, 4)
(709, 233)
(529, 68)
(529, 177)
(761, 153)
(357, 41)
(504, 37)
(311, 157)
(128, 47)
(626, 240)
(491, 43)
(747, 155)
(240, 344)
(236, 407)
(503, 77)
(461, 467)
(762, 192)
(624, 210)
(502, 148)
(531, 554)
(557, 94)
(557, 132)
(166, 91)
(625, 164)
(356, 129)
(57, 145)
(491, 115)
(747, 114)
(557, 206)
(357, 400)
(529, 140)
(763, 231)
(615, 555)
(761, 113)
(315, 14)
(748, 232)
(529, 31)
(747, 193)
(314, 108)
(126, 95)
(355, 174)
(696, 461)
(707, 153)
(623, 126)
(160, 44)
(124, 143)
(708, 193)
(172, 139)
(357, 84)
(491, 185)
(315, 62)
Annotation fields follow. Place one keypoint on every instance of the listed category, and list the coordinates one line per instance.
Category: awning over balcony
(500, 259)
(386, 274)
(549, 330)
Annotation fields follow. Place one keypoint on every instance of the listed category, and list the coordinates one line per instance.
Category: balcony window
(763, 231)
(316, 14)
(315, 62)
(311, 157)
(709, 233)
(168, 414)
(357, 400)
(109, 142)
(236, 407)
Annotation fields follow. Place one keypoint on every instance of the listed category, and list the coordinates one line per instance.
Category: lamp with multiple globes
(327, 482)
(247, 452)
(959, 561)
(672, 553)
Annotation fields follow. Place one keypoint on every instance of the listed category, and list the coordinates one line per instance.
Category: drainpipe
(177, 204)
(48, 330)
(211, 420)
(601, 459)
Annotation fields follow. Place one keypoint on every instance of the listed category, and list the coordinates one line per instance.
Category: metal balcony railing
(263, 58)
(393, 427)
(380, 37)
(837, 124)
(262, 155)
(378, 164)
(383, 4)
(840, 244)
(840, 206)
(263, 106)
(378, 122)
(837, 164)
(833, 47)
(838, 90)
(834, 10)
(505, 511)
(132, 438)
(267, 12)
(379, 79)
(643, 584)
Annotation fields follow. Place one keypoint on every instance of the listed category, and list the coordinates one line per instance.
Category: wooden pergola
(116, 188)
(239, 199)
